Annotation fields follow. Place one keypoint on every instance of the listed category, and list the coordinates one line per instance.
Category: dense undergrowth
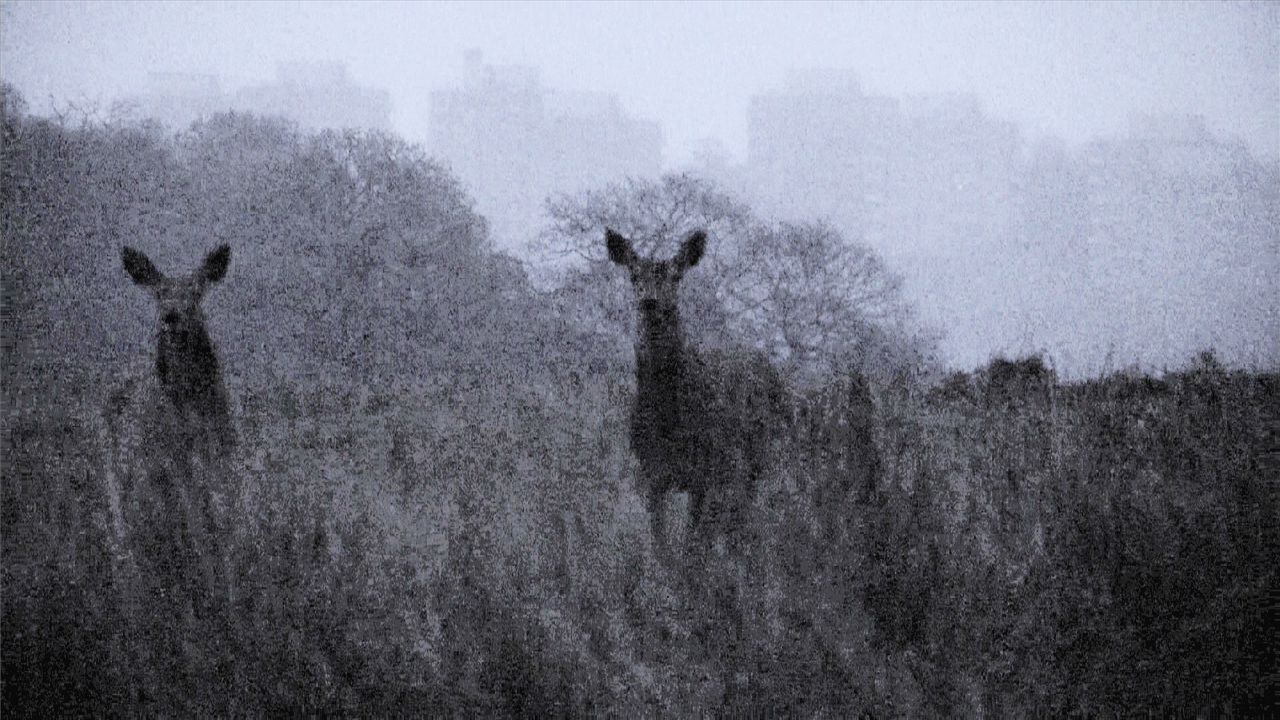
(1099, 548)
(433, 512)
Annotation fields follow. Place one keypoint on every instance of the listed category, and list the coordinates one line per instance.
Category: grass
(447, 547)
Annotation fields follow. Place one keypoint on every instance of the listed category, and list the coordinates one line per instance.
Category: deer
(701, 421)
(170, 438)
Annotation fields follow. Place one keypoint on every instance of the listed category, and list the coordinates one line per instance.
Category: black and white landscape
(732, 359)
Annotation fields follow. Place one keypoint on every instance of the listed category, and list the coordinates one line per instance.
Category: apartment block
(514, 142)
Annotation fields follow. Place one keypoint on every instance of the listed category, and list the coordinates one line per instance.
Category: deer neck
(187, 367)
(661, 358)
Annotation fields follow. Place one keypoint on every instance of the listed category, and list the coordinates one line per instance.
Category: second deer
(703, 421)
(169, 440)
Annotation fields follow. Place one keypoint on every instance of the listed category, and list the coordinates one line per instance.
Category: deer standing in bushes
(170, 440)
(703, 421)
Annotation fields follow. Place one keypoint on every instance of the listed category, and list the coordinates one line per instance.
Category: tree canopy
(355, 254)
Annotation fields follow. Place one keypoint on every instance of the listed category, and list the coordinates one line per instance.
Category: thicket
(436, 512)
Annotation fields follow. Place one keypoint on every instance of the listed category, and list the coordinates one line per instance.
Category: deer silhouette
(170, 437)
(702, 421)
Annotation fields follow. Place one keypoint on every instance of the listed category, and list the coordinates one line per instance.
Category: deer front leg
(657, 507)
(700, 533)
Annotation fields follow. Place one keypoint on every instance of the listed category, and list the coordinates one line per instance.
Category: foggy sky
(1073, 70)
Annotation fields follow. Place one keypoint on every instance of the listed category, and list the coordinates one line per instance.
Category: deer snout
(171, 317)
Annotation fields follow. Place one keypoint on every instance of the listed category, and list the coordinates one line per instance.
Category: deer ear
(140, 268)
(619, 248)
(691, 251)
(215, 264)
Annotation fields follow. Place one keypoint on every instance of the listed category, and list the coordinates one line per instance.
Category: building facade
(909, 174)
(514, 142)
(313, 95)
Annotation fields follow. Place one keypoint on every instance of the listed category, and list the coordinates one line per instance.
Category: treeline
(354, 255)
(436, 511)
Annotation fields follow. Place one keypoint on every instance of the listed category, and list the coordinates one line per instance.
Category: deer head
(186, 363)
(656, 283)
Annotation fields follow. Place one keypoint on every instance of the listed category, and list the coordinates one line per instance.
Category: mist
(1052, 93)
(648, 359)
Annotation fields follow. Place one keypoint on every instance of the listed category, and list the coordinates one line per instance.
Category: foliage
(386, 261)
(452, 527)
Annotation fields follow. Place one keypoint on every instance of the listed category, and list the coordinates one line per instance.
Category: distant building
(314, 95)
(178, 99)
(960, 167)
(910, 174)
(1168, 157)
(808, 148)
(1178, 144)
(318, 95)
(514, 142)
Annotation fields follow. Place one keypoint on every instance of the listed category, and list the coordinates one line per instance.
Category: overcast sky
(1075, 70)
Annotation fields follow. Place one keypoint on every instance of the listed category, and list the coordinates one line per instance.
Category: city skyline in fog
(857, 114)
(1075, 71)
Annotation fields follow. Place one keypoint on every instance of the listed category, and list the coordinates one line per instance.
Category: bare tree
(804, 294)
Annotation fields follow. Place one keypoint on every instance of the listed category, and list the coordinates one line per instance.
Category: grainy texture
(435, 504)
